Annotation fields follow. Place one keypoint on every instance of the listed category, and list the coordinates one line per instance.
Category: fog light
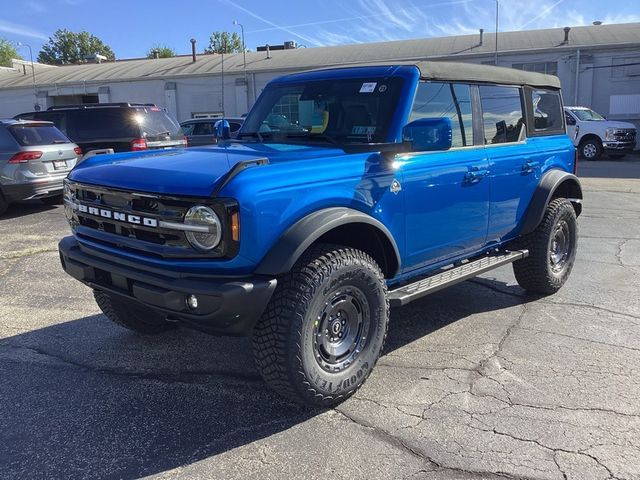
(192, 302)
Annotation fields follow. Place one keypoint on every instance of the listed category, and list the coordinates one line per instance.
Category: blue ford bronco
(346, 192)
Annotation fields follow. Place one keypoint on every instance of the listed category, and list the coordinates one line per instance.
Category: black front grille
(625, 135)
(108, 216)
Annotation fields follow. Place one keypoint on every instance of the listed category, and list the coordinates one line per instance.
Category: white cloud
(23, 30)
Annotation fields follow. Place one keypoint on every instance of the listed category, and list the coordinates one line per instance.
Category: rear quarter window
(544, 111)
(93, 124)
(34, 134)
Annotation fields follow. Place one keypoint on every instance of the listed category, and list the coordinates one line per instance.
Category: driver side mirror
(428, 134)
(222, 130)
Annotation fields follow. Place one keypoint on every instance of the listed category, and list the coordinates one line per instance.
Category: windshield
(37, 134)
(336, 111)
(587, 115)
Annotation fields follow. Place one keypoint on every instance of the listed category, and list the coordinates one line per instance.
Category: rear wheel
(325, 326)
(131, 315)
(590, 149)
(552, 250)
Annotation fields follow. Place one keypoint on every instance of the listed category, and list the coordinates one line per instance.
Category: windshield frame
(404, 77)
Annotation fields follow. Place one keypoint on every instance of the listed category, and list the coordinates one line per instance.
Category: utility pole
(33, 72)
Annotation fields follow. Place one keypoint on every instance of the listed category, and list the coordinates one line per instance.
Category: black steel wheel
(552, 250)
(324, 328)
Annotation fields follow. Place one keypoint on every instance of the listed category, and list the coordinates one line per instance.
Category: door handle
(475, 174)
(529, 166)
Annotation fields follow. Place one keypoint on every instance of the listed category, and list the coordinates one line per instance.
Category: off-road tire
(590, 149)
(536, 272)
(287, 339)
(55, 200)
(131, 315)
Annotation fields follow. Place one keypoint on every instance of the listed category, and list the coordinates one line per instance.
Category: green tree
(66, 47)
(7, 52)
(163, 51)
(224, 42)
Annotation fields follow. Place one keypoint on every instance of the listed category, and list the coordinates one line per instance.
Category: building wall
(599, 86)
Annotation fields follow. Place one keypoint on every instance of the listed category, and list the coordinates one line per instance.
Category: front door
(446, 192)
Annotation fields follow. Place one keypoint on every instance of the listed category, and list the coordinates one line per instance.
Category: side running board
(407, 293)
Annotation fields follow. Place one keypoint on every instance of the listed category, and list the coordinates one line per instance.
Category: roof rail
(101, 105)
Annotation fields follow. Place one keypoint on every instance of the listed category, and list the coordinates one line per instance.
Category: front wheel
(552, 250)
(324, 328)
(590, 149)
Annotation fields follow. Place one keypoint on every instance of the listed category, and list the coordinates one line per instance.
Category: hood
(614, 124)
(190, 172)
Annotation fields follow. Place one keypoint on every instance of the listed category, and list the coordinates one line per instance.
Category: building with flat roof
(598, 66)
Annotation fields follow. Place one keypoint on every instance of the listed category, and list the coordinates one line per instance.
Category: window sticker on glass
(368, 87)
(358, 130)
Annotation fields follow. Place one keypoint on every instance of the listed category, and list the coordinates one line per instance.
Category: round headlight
(207, 229)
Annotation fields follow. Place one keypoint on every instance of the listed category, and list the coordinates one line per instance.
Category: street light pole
(33, 70)
(244, 59)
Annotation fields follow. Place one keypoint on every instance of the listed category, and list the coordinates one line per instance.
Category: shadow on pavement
(21, 209)
(87, 399)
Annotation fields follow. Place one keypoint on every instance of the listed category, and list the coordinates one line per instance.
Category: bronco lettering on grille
(119, 216)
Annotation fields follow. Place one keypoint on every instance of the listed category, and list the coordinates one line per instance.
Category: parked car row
(38, 149)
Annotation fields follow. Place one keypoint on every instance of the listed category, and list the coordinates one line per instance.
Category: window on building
(547, 111)
(501, 114)
(550, 68)
(453, 100)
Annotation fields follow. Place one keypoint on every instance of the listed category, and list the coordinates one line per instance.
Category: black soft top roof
(470, 72)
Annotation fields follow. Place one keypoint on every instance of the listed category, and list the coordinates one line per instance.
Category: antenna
(222, 49)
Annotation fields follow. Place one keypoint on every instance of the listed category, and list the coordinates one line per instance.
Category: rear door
(518, 149)
(203, 133)
(446, 192)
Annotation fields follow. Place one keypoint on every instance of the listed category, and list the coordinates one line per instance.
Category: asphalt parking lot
(477, 381)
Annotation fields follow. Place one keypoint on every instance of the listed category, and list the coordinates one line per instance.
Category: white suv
(594, 135)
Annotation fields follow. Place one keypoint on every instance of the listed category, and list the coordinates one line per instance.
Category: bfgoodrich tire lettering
(130, 314)
(552, 250)
(293, 340)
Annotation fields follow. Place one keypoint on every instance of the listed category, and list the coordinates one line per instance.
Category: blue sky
(130, 27)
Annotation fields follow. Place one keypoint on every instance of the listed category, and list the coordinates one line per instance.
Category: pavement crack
(582, 339)
(619, 252)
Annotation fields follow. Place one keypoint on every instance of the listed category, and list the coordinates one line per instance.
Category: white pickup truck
(593, 135)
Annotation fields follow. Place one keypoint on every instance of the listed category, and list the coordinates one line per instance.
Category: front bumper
(16, 192)
(226, 306)
(619, 147)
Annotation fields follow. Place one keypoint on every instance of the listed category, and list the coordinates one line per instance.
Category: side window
(453, 100)
(547, 112)
(502, 115)
(234, 126)
(204, 128)
(187, 129)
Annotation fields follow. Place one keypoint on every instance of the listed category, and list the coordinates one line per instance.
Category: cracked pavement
(477, 381)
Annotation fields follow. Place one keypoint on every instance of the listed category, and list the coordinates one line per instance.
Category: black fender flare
(549, 184)
(302, 234)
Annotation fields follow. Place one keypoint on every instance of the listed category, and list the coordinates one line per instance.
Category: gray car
(200, 131)
(35, 157)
